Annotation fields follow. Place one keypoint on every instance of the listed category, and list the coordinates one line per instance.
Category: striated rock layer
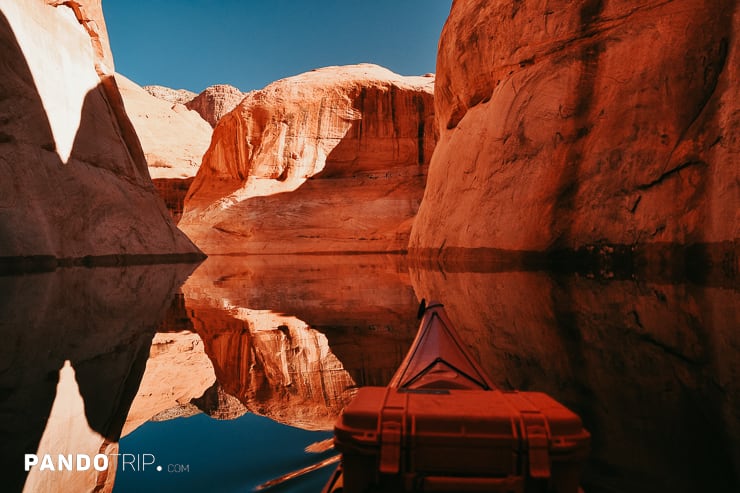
(330, 160)
(215, 101)
(565, 124)
(75, 182)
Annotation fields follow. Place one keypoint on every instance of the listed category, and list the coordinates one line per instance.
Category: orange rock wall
(330, 160)
(564, 124)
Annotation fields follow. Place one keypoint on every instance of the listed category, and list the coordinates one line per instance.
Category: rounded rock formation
(330, 160)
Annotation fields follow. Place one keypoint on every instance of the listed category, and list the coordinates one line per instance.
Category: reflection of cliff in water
(652, 367)
(265, 322)
(102, 321)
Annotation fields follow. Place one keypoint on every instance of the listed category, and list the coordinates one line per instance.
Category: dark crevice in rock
(648, 338)
(668, 174)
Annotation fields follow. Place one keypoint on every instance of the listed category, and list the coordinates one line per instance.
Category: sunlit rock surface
(330, 160)
(565, 124)
(650, 365)
(174, 138)
(215, 102)
(101, 322)
(75, 179)
(90, 14)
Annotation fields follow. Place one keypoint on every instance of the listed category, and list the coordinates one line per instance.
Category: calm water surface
(231, 373)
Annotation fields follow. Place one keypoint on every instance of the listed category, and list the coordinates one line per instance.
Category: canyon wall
(564, 124)
(330, 160)
(75, 179)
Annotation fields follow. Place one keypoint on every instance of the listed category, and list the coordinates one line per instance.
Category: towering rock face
(179, 96)
(565, 124)
(330, 160)
(216, 101)
(75, 181)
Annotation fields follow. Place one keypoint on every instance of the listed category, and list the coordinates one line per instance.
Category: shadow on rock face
(99, 203)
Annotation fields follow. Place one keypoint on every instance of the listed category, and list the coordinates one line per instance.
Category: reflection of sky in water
(222, 456)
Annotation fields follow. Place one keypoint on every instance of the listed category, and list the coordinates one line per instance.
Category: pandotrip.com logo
(99, 462)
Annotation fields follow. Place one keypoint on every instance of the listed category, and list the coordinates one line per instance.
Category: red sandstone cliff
(565, 124)
(174, 139)
(329, 160)
(75, 182)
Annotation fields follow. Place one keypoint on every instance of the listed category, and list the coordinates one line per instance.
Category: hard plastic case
(459, 440)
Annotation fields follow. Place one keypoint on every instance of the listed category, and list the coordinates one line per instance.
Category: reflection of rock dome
(278, 367)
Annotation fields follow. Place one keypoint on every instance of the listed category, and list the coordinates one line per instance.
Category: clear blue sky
(192, 44)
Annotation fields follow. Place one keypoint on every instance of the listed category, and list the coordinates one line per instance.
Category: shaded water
(236, 369)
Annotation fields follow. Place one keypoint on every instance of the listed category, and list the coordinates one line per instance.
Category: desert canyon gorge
(567, 183)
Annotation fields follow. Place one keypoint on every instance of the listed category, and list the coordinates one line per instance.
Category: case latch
(390, 445)
(538, 443)
(392, 428)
